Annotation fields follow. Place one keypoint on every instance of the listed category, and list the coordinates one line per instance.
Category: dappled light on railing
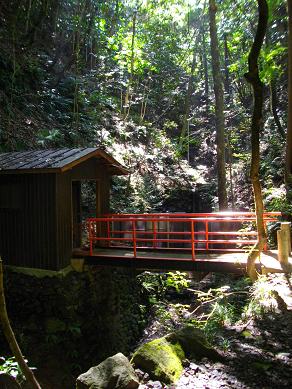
(188, 232)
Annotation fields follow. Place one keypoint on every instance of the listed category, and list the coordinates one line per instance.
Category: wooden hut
(40, 202)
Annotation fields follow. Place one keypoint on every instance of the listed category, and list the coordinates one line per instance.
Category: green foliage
(275, 200)
(11, 367)
(224, 307)
(261, 300)
(271, 60)
(233, 305)
(152, 283)
(176, 280)
(66, 71)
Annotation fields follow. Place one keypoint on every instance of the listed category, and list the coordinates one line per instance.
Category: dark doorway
(84, 205)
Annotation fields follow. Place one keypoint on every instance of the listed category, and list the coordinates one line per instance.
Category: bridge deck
(147, 260)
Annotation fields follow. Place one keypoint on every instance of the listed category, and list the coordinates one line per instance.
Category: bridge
(178, 241)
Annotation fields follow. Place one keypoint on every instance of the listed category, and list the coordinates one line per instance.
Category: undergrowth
(230, 306)
(10, 366)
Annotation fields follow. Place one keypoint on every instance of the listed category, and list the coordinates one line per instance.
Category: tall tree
(288, 175)
(256, 125)
(205, 65)
(127, 103)
(186, 117)
(219, 107)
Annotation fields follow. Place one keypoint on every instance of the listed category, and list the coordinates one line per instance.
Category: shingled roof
(54, 161)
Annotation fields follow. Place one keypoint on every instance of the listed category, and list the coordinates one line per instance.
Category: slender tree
(226, 69)
(219, 107)
(10, 337)
(186, 117)
(288, 175)
(256, 125)
(127, 103)
(205, 66)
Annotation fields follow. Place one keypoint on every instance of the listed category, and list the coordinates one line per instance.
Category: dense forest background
(136, 78)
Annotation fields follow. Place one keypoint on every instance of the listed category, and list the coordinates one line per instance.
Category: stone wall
(74, 319)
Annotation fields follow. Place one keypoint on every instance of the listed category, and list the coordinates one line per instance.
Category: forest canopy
(137, 78)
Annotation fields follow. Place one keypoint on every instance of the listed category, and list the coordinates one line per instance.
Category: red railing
(208, 232)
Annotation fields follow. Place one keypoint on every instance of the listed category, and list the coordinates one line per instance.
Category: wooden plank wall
(27, 229)
(63, 219)
(36, 215)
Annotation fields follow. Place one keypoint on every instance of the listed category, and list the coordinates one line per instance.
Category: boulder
(8, 382)
(194, 343)
(160, 359)
(115, 372)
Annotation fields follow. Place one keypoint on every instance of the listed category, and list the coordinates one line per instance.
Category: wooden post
(284, 243)
(286, 226)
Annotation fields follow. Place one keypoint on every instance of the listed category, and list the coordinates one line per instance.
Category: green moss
(193, 342)
(177, 349)
(161, 359)
(40, 273)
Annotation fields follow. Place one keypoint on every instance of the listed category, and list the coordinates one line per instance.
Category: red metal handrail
(143, 231)
(188, 215)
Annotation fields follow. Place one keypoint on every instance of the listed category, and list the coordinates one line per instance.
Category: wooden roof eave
(30, 171)
(115, 167)
(118, 169)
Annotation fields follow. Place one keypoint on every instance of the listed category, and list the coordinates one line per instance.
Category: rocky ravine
(258, 353)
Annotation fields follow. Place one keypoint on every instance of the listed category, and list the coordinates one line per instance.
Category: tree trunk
(127, 104)
(205, 66)
(256, 125)
(219, 108)
(10, 337)
(288, 170)
(188, 102)
(226, 70)
(230, 172)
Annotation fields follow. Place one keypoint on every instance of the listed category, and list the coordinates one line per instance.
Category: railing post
(90, 238)
(154, 234)
(108, 233)
(134, 238)
(207, 235)
(265, 227)
(193, 239)
(167, 229)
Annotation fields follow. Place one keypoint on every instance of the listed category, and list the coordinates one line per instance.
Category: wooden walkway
(159, 260)
(203, 242)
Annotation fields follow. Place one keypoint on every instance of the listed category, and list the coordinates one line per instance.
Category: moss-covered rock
(160, 359)
(193, 342)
